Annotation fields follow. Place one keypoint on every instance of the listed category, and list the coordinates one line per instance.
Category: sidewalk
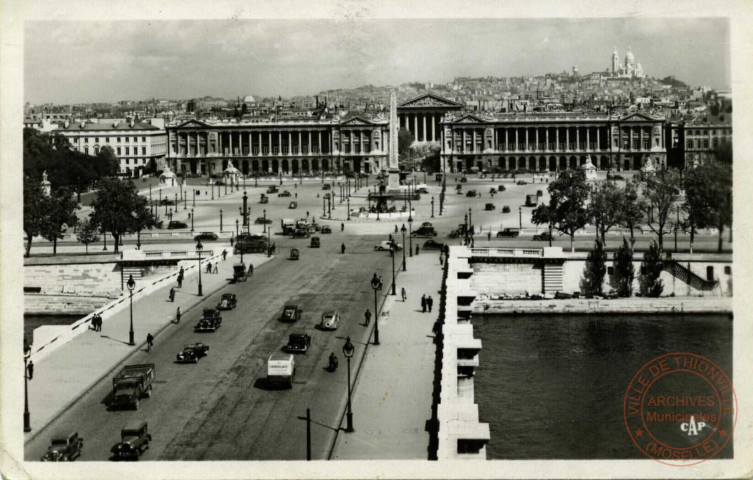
(64, 375)
(392, 394)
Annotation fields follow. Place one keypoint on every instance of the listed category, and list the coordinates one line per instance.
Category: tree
(700, 193)
(34, 211)
(404, 141)
(567, 199)
(660, 193)
(119, 209)
(629, 209)
(603, 211)
(541, 215)
(60, 213)
(596, 268)
(651, 267)
(87, 233)
(623, 269)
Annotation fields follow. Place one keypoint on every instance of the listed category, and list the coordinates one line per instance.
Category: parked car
(326, 229)
(506, 209)
(433, 245)
(424, 232)
(544, 237)
(298, 342)
(175, 224)
(562, 295)
(210, 321)
(521, 182)
(193, 352)
(463, 180)
(300, 232)
(509, 233)
(285, 193)
(330, 320)
(264, 199)
(262, 221)
(293, 205)
(206, 236)
(501, 188)
(315, 243)
(291, 313)
(272, 189)
(470, 193)
(228, 301)
(385, 245)
(326, 186)
(422, 190)
(65, 447)
(281, 369)
(134, 440)
(532, 200)
(489, 206)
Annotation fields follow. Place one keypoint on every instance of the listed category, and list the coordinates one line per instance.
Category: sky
(106, 61)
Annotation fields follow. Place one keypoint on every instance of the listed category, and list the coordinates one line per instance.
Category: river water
(551, 387)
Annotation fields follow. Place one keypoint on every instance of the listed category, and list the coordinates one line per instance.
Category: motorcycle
(332, 363)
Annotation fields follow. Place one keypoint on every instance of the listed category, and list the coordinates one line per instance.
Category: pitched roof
(77, 127)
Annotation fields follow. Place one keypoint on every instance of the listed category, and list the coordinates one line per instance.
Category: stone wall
(91, 279)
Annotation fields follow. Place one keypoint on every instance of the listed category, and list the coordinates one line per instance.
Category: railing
(688, 276)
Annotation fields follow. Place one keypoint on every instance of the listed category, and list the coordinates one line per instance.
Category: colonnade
(425, 126)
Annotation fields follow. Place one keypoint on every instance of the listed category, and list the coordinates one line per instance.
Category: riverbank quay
(68, 365)
(484, 305)
(392, 396)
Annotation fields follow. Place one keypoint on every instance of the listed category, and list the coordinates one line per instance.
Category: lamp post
(376, 284)
(324, 207)
(199, 248)
(170, 215)
(177, 205)
(220, 220)
(191, 219)
(194, 198)
(520, 217)
(104, 236)
(329, 207)
(410, 232)
(348, 208)
(269, 242)
(348, 351)
(265, 220)
(131, 284)
(403, 230)
(236, 227)
(432, 207)
(465, 222)
(392, 254)
(28, 375)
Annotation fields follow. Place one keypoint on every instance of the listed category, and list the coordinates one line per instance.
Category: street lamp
(269, 242)
(265, 220)
(520, 217)
(28, 375)
(245, 209)
(131, 284)
(348, 351)
(220, 220)
(177, 205)
(348, 208)
(199, 248)
(191, 219)
(410, 236)
(392, 254)
(432, 207)
(236, 227)
(194, 198)
(376, 284)
(403, 230)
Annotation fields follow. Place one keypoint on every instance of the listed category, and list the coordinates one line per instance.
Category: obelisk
(393, 181)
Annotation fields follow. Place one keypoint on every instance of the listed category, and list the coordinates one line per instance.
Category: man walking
(367, 316)
(423, 303)
(342, 227)
(177, 315)
(342, 249)
(429, 302)
(216, 268)
(209, 267)
(404, 295)
(172, 294)
(180, 277)
(149, 342)
(224, 254)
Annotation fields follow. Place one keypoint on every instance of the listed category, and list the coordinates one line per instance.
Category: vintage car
(262, 221)
(65, 447)
(422, 190)
(470, 193)
(433, 245)
(315, 242)
(508, 233)
(424, 232)
(285, 193)
(206, 236)
(240, 273)
(501, 188)
(228, 301)
(300, 233)
(294, 254)
(174, 225)
(330, 320)
(134, 440)
(326, 229)
(545, 236)
(298, 342)
(521, 182)
(385, 246)
(291, 313)
(193, 352)
(272, 189)
(264, 199)
(489, 206)
(463, 180)
(293, 205)
(281, 369)
(210, 321)
(326, 186)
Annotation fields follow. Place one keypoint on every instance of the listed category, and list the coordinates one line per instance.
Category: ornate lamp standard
(520, 217)
(192, 219)
(177, 205)
(245, 212)
(265, 220)
(236, 227)
(348, 208)
(376, 284)
(199, 248)
(403, 230)
(220, 220)
(348, 351)
(131, 284)
(432, 207)
(392, 254)
(28, 375)
(410, 232)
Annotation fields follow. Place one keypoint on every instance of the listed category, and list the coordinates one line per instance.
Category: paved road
(219, 409)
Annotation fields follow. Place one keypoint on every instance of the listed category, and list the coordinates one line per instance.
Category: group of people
(216, 268)
(97, 322)
(426, 303)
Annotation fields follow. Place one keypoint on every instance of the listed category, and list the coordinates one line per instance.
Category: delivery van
(281, 369)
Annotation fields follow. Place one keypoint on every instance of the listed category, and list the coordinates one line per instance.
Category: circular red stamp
(680, 409)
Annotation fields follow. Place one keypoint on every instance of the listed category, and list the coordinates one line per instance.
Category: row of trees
(623, 271)
(117, 210)
(654, 202)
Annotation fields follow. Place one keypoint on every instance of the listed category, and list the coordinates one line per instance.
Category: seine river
(551, 387)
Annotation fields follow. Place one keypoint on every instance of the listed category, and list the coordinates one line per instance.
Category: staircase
(135, 271)
(553, 281)
(682, 273)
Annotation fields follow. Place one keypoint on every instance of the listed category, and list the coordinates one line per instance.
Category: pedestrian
(180, 278)
(30, 369)
(342, 249)
(296, 193)
(99, 322)
(441, 257)
(94, 322)
(402, 292)
(224, 254)
(342, 227)
(489, 236)
(209, 267)
(423, 303)
(395, 228)
(367, 316)
(177, 315)
(231, 239)
(172, 294)
(149, 342)
(216, 268)
(429, 302)
(416, 249)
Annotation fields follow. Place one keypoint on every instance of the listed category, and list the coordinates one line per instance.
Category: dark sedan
(174, 225)
(206, 236)
(433, 245)
(193, 352)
